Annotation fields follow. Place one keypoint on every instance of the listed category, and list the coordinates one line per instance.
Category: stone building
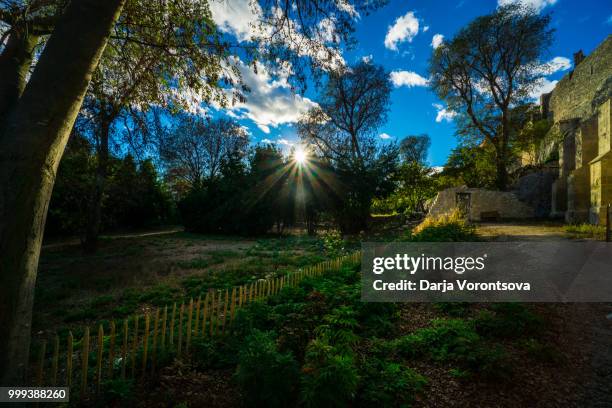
(579, 109)
(480, 204)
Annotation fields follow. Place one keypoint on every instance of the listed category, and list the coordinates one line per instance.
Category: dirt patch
(545, 231)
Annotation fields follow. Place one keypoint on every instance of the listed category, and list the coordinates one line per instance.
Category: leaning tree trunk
(32, 141)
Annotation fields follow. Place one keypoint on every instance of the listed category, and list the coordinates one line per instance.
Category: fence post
(69, 361)
(111, 350)
(99, 362)
(125, 346)
(85, 362)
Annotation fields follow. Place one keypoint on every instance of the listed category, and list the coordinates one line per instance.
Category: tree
(413, 149)
(471, 165)
(490, 66)
(32, 139)
(193, 149)
(352, 106)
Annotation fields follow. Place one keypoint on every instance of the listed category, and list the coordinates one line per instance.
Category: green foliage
(389, 384)
(452, 227)
(330, 377)
(333, 242)
(267, 377)
(135, 197)
(240, 201)
(453, 309)
(471, 165)
(542, 352)
(456, 341)
(597, 232)
(507, 320)
(118, 392)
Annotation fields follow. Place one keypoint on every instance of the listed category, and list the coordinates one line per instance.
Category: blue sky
(399, 37)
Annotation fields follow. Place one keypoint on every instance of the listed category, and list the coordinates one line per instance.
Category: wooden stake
(134, 346)
(99, 357)
(111, 350)
(212, 312)
(69, 360)
(205, 313)
(154, 345)
(145, 344)
(188, 342)
(233, 304)
(163, 328)
(196, 322)
(171, 328)
(84, 362)
(180, 330)
(124, 349)
(225, 304)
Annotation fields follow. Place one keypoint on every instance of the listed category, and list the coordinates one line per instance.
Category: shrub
(389, 384)
(330, 378)
(450, 227)
(333, 242)
(507, 320)
(456, 341)
(267, 377)
(118, 391)
(597, 232)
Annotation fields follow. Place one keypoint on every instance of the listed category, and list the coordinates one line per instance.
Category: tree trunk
(32, 142)
(15, 62)
(94, 219)
(502, 155)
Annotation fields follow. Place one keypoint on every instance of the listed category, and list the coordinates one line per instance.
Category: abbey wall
(579, 109)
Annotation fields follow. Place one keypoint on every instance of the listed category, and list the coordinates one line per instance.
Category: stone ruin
(579, 108)
(576, 186)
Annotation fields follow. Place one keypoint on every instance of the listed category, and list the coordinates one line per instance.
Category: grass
(587, 231)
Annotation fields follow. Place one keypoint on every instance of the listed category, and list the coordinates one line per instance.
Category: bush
(507, 320)
(330, 378)
(456, 341)
(451, 227)
(389, 384)
(267, 377)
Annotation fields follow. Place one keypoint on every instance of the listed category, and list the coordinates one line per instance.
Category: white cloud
(404, 29)
(385, 136)
(270, 102)
(425, 29)
(437, 40)
(243, 19)
(237, 17)
(443, 113)
(284, 142)
(407, 78)
(559, 64)
(348, 8)
(537, 5)
(543, 86)
(267, 141)
(367, 58)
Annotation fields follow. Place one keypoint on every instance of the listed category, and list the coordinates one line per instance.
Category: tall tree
(32, 139)
(489, 66)
(352, 106)
(414, 148)
(193, 149)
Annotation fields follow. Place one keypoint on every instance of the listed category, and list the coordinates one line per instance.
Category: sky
(401, 37)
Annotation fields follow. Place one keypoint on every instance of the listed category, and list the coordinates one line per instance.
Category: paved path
(77, 241)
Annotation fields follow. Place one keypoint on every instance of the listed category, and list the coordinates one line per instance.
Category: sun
(300, 155)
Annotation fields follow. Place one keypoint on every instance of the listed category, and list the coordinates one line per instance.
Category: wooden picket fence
(132, 349)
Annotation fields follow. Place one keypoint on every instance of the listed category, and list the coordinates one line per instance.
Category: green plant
(451, 227)
(507, 320)
(267, 377)
(597, 232)
(542, 352)
(118, 391)
(330, 378)
(389, 384)
(333, 242)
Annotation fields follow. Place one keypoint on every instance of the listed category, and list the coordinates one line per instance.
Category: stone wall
(487, 203)
(574, 93)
